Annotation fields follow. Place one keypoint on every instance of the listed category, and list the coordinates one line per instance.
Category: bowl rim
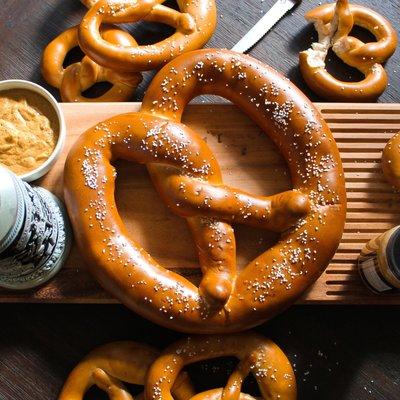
(43, 168)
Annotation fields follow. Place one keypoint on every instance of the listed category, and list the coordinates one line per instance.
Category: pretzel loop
(78, 77)
(110, 365)
(257, 354)
(188, 178)
(333, 24)
(194, 23)
(152, 11)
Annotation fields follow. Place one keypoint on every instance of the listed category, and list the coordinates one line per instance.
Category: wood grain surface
(346, 353)
(249, 161)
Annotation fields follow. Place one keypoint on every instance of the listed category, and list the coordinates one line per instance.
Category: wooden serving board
(249, 161)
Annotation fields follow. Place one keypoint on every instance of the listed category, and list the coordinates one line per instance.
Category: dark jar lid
(393, 253)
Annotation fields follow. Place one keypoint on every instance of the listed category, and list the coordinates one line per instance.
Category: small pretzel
(391, 161)
(188, 178)
(256, 354)
(334, 24)
(194, 23)
(110, 365)
(79, 77)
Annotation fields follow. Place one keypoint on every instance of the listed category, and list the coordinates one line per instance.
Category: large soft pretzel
(188, 178)
(334, 24)
(194, 23)
(78, 77)
(256, 354)
(109, 366)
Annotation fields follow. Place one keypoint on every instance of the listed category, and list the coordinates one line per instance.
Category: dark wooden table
(346, 353)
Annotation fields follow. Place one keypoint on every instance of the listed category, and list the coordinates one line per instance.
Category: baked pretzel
(89, 3)
(391, 161)
(188, 178)
(256, 354)
(78, 77)
(110, 365)
(194, 23)
(215, 394)
(334, 24)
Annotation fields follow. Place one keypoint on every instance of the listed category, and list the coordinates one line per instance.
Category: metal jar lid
(33, 249)
(12, 208)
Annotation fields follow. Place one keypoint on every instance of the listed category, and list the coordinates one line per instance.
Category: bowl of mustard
(32, 129)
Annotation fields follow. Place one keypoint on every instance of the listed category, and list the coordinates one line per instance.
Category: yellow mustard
(27, 134)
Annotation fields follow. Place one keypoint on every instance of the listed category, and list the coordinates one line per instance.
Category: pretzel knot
(194, 24)
(334, 24)
(80, 76)
(188, 178)
(109, 366)
(256, 354)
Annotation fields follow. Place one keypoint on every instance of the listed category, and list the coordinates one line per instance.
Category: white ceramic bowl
(33, 87)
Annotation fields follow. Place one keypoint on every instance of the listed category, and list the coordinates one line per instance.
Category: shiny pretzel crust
(334, 23)
(110, 365)
(187, 177)
(256, 354)
(194, 23)
(391, 161)
(80, 76)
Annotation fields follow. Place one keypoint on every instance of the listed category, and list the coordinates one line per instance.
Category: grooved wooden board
(248, 161)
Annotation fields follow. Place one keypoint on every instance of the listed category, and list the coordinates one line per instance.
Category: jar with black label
(379, 262)
(35, 236)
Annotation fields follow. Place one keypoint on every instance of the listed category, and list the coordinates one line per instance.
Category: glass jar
(379, 262)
